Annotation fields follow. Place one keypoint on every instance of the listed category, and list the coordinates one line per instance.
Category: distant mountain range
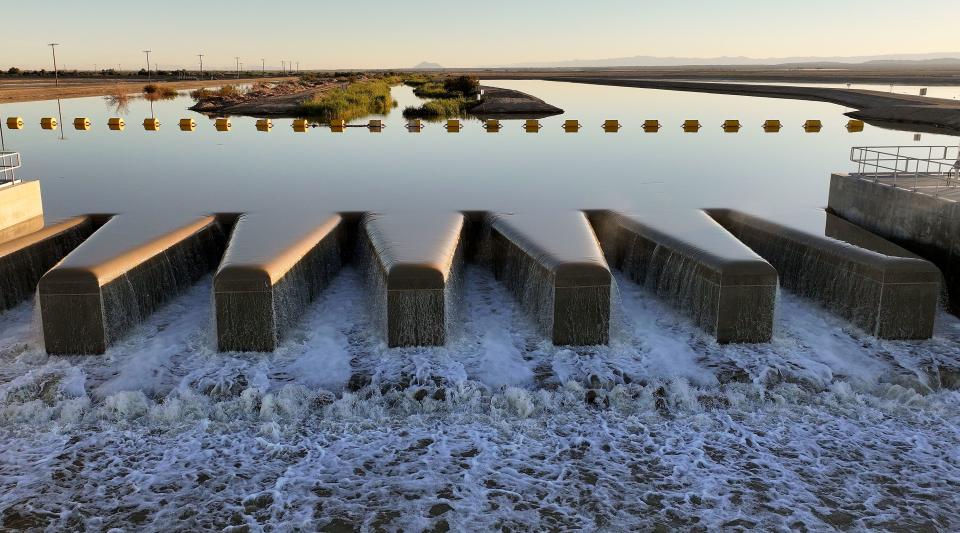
(932, 59)
(426, 65)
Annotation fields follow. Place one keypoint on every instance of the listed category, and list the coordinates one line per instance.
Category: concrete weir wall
(24, 260)
(878, 286)
(554, 266)
(266, 282)
(694, 264)
(923, 224)
(120, 275)
(415, 264)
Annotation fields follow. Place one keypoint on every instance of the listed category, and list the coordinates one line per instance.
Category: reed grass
(351, 101)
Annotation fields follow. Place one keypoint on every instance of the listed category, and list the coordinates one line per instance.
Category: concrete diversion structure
(926, 224)
(99, 276)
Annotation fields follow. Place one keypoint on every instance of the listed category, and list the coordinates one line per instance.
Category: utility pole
(238, 66)
(56, 75)
(148, 63)
(263, 65)
(298, 67)
(283, 66)
(201, 65)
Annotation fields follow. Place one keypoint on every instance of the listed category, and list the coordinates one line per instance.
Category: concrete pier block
(878, 286)
(274, 267)
(20, 202)
(24, 260)
(688, 260)
(120, 275)
(926, 225)
(556, 269)
(417, 260)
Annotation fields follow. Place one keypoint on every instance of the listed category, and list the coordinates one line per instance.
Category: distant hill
(933, 59)
(426, 65)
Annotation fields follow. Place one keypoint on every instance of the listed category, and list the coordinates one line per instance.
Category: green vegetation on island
(352, 100)
(449, 97)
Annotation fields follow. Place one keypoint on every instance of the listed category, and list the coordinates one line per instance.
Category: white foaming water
(823, 428)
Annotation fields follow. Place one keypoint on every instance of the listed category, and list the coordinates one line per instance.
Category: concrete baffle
(274, 267)
(688, 260)
(553, 264)
(878, 286)
(24, 260)
(415, 264)
(121, 274)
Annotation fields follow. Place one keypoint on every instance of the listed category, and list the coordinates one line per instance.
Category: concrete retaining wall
(19, 203)
(262, 288)
(923, 224)
(554, 266)
(881, 288)
(695, 265)
(119, 276)
(416, 272)
(25, 260)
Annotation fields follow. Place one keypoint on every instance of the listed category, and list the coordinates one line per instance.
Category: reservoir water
(823, 428)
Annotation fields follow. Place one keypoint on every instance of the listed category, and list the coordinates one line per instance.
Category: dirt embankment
(507, 102)
(267, 99)
(28, 90)
(887, 109)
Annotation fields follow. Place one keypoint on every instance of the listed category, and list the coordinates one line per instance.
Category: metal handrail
(938, 163)
(9, 163)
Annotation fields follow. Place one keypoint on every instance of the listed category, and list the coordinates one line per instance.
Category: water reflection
(244, 169)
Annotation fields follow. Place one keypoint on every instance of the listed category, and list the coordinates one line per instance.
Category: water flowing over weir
(875, 284)
(122, 274)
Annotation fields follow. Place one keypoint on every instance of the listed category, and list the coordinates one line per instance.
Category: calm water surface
(246, 170)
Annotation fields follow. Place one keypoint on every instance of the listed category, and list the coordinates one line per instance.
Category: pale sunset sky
(400, 34)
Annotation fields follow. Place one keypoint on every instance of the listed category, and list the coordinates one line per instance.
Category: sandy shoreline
(29, 90)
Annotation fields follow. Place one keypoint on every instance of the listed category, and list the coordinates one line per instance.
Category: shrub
(353, 101)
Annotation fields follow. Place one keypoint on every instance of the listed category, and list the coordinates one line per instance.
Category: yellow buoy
(375, 125)
(611, 126)
(731, 126)
(453, 125)
(414, 125)
(222, 124)
(492, 125)
(691, 125)
(116, 124)
(855, 126)
(48, 123)
(651, 126)
(187, 124)
(338, 125)
(151, 124)
(531, 125)
(15, 123)
(264, 124)
(812, 126)
(571, 126)
(81, 123)
(772, 125)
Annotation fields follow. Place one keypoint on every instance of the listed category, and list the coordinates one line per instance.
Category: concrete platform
(921, 215)
(878, 286)
(273, 268)
(121, 274)
(554, 265)
(688, 260)
(20, 202)
(24, 260)
(417, 260)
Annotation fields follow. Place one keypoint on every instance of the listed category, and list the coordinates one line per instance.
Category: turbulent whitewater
(826, 427)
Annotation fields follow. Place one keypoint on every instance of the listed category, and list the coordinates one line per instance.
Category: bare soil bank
(907, 75)
(506, 102)
(28, 90)
(882, 108)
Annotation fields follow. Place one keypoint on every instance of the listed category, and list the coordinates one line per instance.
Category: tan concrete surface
(20, 203)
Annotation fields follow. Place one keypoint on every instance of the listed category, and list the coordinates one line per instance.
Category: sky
(321, 34)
